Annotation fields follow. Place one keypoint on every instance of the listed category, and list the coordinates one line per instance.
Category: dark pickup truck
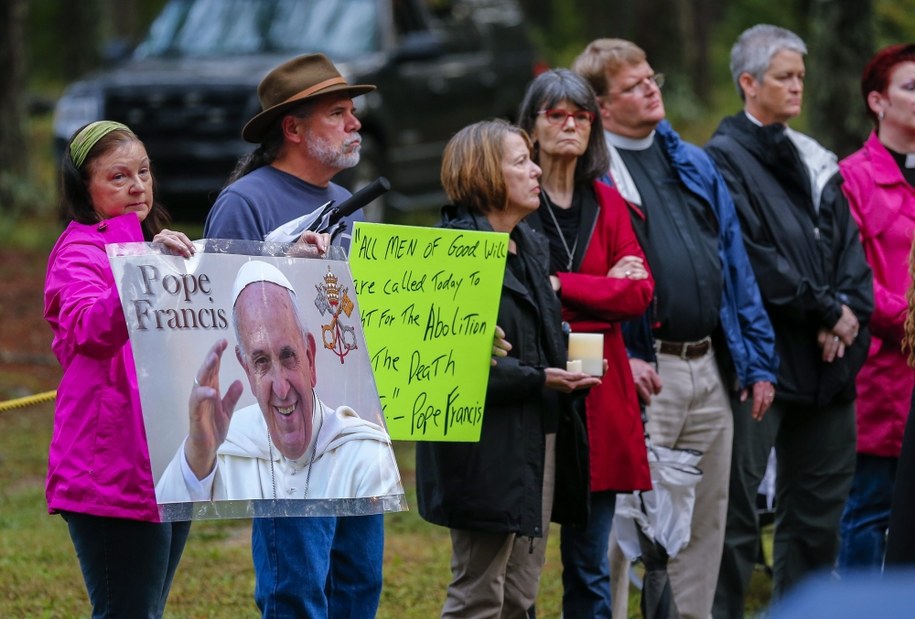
(190, 86)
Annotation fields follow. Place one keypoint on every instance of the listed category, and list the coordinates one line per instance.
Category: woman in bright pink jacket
(878, 183)
(99, 477)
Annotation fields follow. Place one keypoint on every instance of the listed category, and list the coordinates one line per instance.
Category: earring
(881, 114)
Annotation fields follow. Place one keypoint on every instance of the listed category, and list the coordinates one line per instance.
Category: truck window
(206, 28)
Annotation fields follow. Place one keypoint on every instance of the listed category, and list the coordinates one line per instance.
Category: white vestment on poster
(351, 458)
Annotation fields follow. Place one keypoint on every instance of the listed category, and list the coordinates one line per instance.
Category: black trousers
(815, 451)
(900, 543)
(128, 565)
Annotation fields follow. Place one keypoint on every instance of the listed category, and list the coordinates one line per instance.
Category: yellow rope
(38, 398)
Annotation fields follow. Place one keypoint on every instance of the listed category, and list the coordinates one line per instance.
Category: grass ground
(39, 574)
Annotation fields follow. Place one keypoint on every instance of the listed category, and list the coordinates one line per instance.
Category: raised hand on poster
(210, 413)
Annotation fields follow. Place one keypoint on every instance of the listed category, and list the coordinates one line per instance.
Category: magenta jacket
(883, 205)
(98, 462)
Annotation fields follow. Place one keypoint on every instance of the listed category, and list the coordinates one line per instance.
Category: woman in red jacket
(599, 271)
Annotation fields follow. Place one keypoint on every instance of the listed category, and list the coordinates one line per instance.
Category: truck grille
(184, 113)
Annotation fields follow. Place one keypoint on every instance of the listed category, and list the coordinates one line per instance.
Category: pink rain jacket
(98, 462)
(883, 205)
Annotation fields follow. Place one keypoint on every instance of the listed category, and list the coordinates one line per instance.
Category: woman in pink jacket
(99, 477)
(879, 181)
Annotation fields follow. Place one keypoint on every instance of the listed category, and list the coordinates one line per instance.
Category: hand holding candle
(589, 349)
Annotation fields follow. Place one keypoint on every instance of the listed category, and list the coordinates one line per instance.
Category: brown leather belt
(685, 350)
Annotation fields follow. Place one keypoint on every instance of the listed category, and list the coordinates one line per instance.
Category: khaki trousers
(692, 411)
(496, 575)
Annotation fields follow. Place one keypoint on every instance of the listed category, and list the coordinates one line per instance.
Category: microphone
(359, 199)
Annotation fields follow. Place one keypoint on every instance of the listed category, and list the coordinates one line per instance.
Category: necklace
(562, 237)
(311, 460)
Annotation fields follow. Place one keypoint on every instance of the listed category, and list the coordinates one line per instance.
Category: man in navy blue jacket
(707, 331)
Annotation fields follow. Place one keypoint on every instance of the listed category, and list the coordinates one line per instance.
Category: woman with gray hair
(816, 286)
(754, 50)
(599, 271)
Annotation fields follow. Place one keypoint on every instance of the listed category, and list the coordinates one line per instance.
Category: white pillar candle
(589, 348)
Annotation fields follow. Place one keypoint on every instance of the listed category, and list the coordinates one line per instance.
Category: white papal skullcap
(258, 271)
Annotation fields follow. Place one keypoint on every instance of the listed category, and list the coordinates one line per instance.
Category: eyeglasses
(641, 87)
(560, 117)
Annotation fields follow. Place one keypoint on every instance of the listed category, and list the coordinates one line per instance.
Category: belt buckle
(684, 349)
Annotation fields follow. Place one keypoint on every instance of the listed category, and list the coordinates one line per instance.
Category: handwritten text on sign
(429, 299)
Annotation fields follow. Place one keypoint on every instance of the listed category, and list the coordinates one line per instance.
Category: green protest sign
(428, 299)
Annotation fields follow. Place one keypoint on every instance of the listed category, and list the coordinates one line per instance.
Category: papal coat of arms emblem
(333, 300)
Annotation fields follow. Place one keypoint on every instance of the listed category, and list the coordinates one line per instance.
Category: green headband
(89, 136)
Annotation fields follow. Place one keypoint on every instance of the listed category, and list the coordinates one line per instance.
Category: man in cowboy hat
(306, 133)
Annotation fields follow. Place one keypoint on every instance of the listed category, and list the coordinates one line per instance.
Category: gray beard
(328, 154)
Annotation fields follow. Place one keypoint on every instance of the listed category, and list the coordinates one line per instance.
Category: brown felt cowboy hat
(293, 82)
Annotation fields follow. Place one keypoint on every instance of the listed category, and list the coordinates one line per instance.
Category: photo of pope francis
(289, 445)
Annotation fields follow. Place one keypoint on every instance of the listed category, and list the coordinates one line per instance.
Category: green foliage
(28, 233)
(895, 21)
(50, 38)
(564, 39)
(33, 194)
(18, 193)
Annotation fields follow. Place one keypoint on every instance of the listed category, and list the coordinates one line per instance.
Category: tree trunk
(658, 32)
(840, 43)
(81, 24)
(537, 13)
(13, 163)
(700, 18)
(607, 18)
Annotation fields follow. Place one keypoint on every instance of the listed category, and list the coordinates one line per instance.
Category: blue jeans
(318, 567)
(585, 567)
(128, 565)
(867, 513)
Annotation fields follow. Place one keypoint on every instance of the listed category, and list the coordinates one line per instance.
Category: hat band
(334, 81)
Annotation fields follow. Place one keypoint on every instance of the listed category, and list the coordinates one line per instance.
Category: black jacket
(808, 262)
(496, 485)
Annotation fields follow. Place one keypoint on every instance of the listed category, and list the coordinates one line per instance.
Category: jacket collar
(886, 171)
(773, 148)
(879, 206)
(462, 218)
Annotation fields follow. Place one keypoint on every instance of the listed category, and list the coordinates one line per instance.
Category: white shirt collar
(621, 141)
(753, 119)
